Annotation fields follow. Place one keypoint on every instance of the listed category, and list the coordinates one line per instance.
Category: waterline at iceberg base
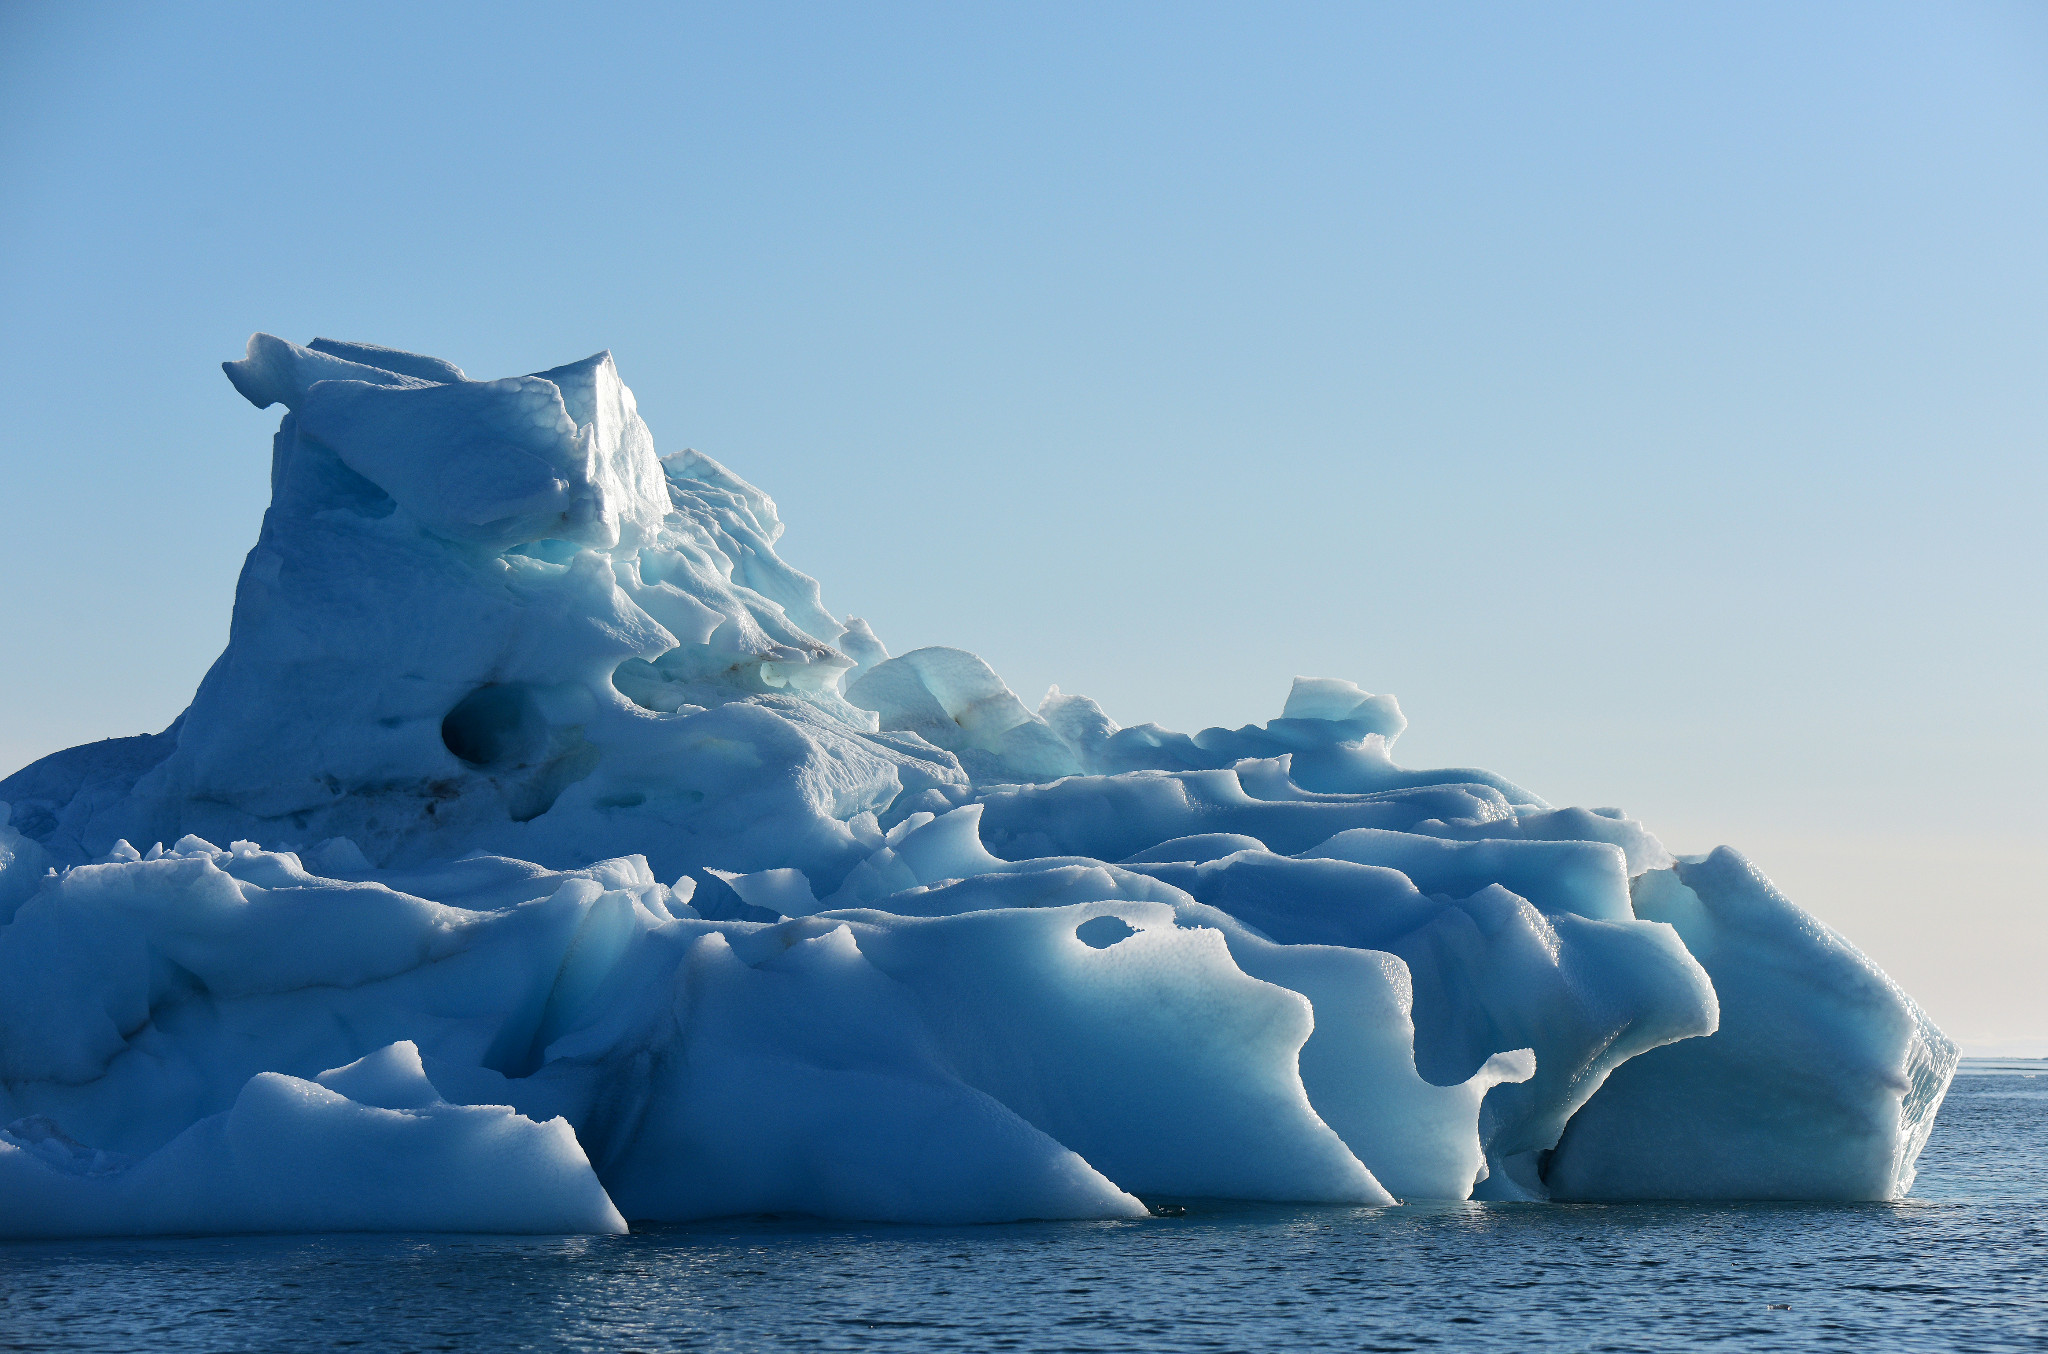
(581, 867)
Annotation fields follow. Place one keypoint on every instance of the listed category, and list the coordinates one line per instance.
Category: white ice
(604, 874)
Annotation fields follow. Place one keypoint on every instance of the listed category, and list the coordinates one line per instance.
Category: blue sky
(1651, 396)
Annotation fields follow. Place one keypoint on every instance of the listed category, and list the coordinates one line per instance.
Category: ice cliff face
(497, 669)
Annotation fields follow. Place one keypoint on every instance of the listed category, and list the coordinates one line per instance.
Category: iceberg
(581, 867)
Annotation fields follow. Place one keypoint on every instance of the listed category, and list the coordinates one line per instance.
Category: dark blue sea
(1962, 1265)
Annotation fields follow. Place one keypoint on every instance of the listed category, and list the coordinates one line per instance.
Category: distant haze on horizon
(1654, 398)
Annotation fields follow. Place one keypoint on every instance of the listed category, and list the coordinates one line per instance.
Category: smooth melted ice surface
(633, 884)
(1956, 1268)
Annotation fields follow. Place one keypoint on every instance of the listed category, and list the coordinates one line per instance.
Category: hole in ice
(495, 725)
(670, 684)
(1103, 932)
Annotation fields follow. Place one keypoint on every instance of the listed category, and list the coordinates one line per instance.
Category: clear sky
(1653, 397)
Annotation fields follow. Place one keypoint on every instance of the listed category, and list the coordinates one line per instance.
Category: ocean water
(1962, 1265)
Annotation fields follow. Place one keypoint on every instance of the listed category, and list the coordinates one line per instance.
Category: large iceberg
(582, 867)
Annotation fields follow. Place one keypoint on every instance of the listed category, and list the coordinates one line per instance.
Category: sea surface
(1961, 1265)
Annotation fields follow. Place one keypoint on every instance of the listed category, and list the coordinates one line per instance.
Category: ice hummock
(582, 866)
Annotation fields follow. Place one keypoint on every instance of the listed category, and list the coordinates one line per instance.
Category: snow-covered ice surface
(580, 867)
